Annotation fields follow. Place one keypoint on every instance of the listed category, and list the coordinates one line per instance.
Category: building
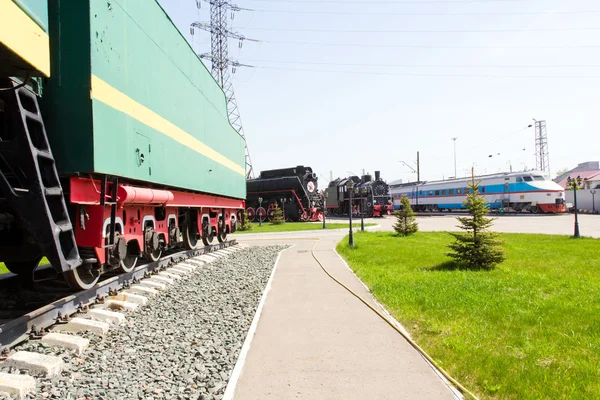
(589, 172)
(586, 198)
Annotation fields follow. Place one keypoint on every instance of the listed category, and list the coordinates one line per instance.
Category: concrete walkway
(314, 340)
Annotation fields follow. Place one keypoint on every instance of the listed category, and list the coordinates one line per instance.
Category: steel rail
(19, 330)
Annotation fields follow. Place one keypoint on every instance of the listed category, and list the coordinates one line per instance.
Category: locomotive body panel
(37, 10)
(133, 100)
(275, 185)
(24, 42)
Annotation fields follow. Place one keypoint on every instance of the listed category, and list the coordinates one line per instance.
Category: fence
(584, 200)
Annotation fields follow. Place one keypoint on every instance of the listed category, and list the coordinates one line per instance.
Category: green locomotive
(115, 139)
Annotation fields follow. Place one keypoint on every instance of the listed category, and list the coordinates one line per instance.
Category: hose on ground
(460, 387)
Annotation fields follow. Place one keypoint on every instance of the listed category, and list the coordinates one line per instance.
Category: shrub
(476, 248)
(245, 224)
(406, 224)
(277, 215)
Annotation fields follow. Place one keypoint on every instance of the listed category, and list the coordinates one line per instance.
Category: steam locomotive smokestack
(377, 175)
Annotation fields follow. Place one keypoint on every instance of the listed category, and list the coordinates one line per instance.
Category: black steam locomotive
(294, 189)
(370, 197)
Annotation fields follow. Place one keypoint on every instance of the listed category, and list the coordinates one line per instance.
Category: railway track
(35, 318)
(178, 338)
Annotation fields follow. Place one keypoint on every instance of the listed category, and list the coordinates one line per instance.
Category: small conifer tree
(406, 224)
(277, 215)
(476, 248)
(245, 224)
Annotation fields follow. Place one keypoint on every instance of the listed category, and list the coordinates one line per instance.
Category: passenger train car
(520, 191)
(115, 141)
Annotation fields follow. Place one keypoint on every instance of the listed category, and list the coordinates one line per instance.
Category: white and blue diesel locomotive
(520, 191)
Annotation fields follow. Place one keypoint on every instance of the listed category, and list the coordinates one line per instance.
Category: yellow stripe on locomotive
(24, 45)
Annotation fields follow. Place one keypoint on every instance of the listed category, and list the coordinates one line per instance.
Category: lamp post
(362, 221)
(350, 187)
(575, 185)
(454, 140)
(260, 200)
(283, 208)
(325, 208)
(593, 192)
(418, 172)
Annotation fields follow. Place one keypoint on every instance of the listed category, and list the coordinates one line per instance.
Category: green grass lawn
(4, 270)
(530, 329)
(297, 226)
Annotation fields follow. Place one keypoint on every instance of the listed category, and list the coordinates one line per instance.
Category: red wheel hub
(251, 213)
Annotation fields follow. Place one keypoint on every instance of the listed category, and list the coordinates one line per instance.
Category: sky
(344, 86)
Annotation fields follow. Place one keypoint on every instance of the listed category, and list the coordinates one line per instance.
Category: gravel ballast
(182, 345)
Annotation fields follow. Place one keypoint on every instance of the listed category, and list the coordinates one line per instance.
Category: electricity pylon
(220, 62)
(542, 157)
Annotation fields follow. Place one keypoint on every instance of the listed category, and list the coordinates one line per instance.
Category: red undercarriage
(137, 210)
(552, 208)
(306, 214)
(378, 210)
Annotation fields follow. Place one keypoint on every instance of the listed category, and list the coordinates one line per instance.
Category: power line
(409, 46)
(423, 31)
(425, 65)
(393, 1)
(431, 75)
(423, 14)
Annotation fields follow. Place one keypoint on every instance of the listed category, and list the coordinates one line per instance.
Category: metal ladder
(30, 182)
(114, 185)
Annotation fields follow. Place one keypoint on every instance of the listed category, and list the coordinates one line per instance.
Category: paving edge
(372, 228)
(239, 365)
(457, 394)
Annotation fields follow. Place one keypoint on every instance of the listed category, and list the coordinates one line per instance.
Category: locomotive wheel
(222, 235)
(250, 211)
(190, 236)
(23, 268)
(82, 277)
(207, 234)
(270, 212)
(130, 261)
(261, 213)
(154, 255)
